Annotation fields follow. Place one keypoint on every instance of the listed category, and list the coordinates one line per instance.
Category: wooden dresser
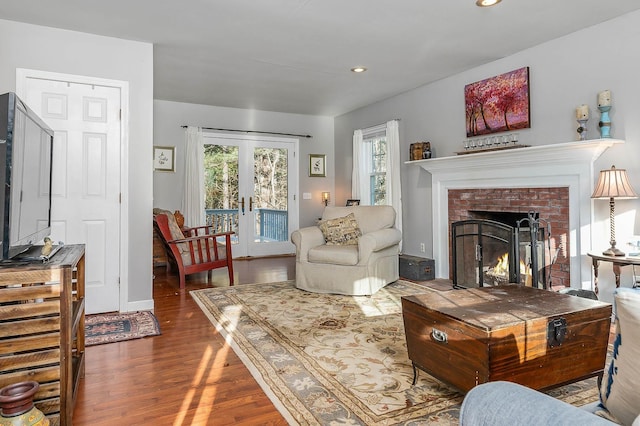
(42, 328)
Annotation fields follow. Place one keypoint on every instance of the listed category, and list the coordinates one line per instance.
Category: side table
(617, 261)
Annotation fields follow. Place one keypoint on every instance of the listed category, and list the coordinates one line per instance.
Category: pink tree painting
(498, 104)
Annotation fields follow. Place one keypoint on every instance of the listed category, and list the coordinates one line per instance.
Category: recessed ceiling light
(487, 3)
(358, 69)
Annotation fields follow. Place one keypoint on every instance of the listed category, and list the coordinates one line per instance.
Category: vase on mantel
(16, 405)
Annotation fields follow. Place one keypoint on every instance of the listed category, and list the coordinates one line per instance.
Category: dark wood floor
(186, 376)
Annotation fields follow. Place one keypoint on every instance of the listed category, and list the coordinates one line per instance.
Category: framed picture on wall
(317, 165)
(164, 158)
(498, 104)
(353, 203)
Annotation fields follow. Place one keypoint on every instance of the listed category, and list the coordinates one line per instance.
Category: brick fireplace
(561, 177)
(551, 204)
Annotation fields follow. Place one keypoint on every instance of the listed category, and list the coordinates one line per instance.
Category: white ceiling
(294, 55)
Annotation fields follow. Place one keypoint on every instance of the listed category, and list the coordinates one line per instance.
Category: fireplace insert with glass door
(488, 253)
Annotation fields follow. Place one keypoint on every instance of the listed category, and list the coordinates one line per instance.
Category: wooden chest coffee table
(538, 338)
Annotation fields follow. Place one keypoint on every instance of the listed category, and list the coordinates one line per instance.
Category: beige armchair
(360, 267)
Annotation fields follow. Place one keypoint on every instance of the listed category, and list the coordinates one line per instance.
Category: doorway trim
(22, 74)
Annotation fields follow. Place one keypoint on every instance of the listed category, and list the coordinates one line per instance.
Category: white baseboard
(139, 305)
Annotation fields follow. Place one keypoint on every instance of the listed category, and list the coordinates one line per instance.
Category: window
(377, 170)
(375, 173)
(371, 167)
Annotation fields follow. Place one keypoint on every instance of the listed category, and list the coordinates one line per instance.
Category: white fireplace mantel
(556, 165)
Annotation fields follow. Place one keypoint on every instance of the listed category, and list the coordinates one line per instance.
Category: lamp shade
(613, 183)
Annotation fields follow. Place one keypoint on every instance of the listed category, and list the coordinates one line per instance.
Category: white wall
(564, 73)
(170, 116)
(69, 52)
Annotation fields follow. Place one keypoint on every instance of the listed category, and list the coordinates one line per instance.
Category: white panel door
(86, 177)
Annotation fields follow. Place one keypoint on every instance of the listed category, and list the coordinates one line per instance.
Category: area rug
(340, 360)
(116, 327)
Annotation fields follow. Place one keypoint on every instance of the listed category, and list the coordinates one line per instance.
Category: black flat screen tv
(26, 156)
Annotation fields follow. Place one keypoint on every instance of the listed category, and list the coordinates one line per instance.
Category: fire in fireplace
(500, 273)
(491, 252)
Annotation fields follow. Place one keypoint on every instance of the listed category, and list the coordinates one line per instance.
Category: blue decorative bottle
(604, 106)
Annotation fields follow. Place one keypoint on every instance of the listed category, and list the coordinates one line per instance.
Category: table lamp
(613, 183)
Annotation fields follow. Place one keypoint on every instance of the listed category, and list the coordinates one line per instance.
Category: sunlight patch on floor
(198, 383)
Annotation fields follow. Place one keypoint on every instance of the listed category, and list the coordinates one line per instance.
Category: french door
(250, 185)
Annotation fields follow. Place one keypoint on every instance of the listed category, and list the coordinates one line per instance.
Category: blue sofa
(507, 404)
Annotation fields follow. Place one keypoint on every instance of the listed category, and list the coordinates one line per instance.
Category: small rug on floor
(329, 359)
(117, 327)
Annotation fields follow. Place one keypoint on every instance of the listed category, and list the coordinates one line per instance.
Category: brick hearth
(551, 203)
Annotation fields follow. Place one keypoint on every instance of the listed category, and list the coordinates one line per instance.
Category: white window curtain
(394, 187)
(193, 194)
(358, 173)
(360, 184)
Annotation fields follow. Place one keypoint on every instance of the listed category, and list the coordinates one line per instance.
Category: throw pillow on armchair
(341, 231)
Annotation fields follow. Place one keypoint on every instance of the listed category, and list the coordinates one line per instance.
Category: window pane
(378, 169)
(379, 164)
(221, 176)
(378, 189)
(221, 187)
(270, 188)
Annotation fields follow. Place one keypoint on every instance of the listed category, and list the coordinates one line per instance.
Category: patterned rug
(115, 327)
(340, 360)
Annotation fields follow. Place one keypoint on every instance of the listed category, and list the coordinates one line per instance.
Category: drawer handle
(439, 336)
